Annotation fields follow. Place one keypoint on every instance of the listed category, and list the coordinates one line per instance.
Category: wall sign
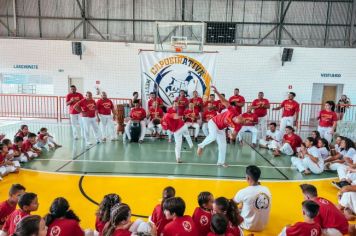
(330, 75)
(32, 67)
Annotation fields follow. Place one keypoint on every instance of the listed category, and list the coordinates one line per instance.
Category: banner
(167, 73)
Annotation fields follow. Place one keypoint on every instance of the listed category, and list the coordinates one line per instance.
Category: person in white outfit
(137, 114)
(87, 109)
(290, 112)
(155, 115)
(71, 99)
(290, 143)
(346, 172)
(260, 107)
(251, 120)
(106, 117)
(254, 201)
(327, 121)
(347, 202)
(309, 159)
(273, 137)
(323, 146)
(192, 117)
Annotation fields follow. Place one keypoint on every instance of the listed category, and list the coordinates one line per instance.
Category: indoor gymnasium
(177, 117)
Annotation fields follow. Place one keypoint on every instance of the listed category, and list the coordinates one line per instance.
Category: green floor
(154, 158)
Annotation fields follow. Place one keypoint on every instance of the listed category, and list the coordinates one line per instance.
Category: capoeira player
(106, 117)
(71, 99)
(175, 125)
(217, 126)
(155, 115)
(290, 112)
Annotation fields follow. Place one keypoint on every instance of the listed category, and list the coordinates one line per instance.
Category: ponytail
(118, 214)
(60, 208)
(232, 214)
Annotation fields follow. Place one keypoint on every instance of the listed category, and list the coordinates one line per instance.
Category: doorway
(326, 92)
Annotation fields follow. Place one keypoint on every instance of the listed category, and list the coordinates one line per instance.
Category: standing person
(260, 107)
(217, 126)
(175, 125)
(155, 115)
(237, 100)
(154, 98)
(207, 115)
(273, 137)
(192, 117)
(182, 102)
(87, 108)
(343, 103)
(255, 200)
(71, 99)
(290, 143)
(106, 115)
(197, 101)
(251, 120)
(137, 114)
(331, 219)
(134, 98)
(9, 206)
(290, 112)
(327, 121)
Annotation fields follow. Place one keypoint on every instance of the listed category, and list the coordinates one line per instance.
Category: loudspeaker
(287, 54)
(77, 48)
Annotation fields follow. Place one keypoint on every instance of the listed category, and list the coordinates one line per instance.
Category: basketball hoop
(178, 48)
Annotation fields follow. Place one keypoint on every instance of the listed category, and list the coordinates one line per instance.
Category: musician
(182, 102)
(154, 98)
(197, 101)
(207, 115)
(155, 114)
(213, 102)
(192, 117)
(137, 115)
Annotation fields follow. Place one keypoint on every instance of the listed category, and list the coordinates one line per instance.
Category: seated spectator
(44, 138)
(154, 98)
(6, 164)
(323, 146)
(137, 114)
(228, 208)
(31, 225)
(9, 206)
(103, 213)
(309, 226)
(218, 226)
(331, 219)
(120, 221)
(22, 132)
(202, 214)
(213, 102)
(251, 121)
(255, 200)
(192, 117)
(155, 115)
(273, 137)
(28, 149)
(197, 101)
(346, 172)
(182, 102)
(290, 143)
(347, 203)
(315, 134)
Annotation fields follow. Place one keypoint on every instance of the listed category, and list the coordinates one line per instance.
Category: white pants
(196, 126)
(307, 163)
(75, 121)
(331, 232)
(284, 148)
(41, 144)
(154, 128)
(286, 121)
(23, 158)
(251, 129)
(4, 170)
(178, 138)
(90, 122)
(351, 177)
(107, 126)
(143, 130)
(262, 126)
(215, 134)
(205, 128)
(325, 132)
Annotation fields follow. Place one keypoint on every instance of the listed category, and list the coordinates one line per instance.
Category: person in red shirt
(28, 148)
(157, 217)
(221, 106)
(229, 208)
(309, 226)
(137, 115)
(332, 220)
(7, 165)
(213, 102)
(171, 110)
(327, 121)
(134, 97)
(71, 99)
(208, 114)
(87, 107)
(9, 206)
(217, 126)
(17, 150)
(182, 102)
(175, 125)
(155, 114)
(251, 120)
(120, 221)
(237, 100)
(197, 101)
(44, 138)
(27, 202)
(154, 98)
(103, 213)
(192, 118)
(219, 224)
(260, 107)
(61, 221)
(22, 132)
(290, 112)
(291, 142)
(31, 225)
(182, 225)
(106, 117)
(202, 214)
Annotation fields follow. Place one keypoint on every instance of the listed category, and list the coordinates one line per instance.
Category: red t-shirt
(290, 107)
(138, 113)
(304, 229)
(159, 219)
(327, 118)
(250, 119)
(294, 140)
(104, 106)
(224, 120)
(171, 124)
(233, 230)
(16, 148)
(214, 103)
(2, 159)
(182, 104)
(221, 106)
(202, 220)
(260, 112)
(64, 227)
(121, 232)
(41, 136)
(77, 97)
(237, 99)
(182, 226)
(198, 103)
(171, 110)
(26, 146)
(330, 217)
(5, 211)
(207, 115)
(156, 113)
(99, 225)
(159, 102)
(13, 220)
(88, 107)
(191, 115)
(20, 134)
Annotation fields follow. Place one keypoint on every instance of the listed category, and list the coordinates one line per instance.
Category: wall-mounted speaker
(287, 55)
(77, 49)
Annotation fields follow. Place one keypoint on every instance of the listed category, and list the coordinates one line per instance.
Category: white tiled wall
(251, 69)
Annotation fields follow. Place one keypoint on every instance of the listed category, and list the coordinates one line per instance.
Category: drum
(156, 121)
(135, 131)
(120, 116)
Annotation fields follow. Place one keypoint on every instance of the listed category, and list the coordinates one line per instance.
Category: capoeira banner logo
(167, 73)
